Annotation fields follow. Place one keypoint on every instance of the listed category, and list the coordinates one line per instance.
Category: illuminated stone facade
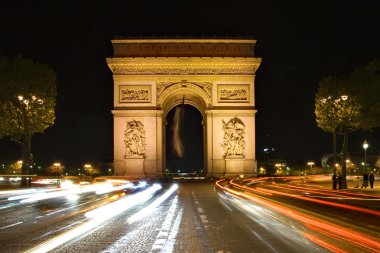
(215, 76)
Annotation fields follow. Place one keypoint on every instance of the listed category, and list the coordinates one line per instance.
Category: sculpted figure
(134, 139)
(233, 140)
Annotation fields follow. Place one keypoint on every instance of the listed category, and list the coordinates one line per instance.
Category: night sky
(299, 41)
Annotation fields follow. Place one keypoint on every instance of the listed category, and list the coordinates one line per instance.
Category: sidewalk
(326, 182)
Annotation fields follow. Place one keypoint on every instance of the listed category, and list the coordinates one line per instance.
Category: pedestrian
(334, 180)
(365, 180)
(371, 179)
(340, 181)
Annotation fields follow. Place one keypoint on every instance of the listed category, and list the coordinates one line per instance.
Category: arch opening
(184, 144)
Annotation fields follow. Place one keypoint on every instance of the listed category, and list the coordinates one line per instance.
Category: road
(247, 216)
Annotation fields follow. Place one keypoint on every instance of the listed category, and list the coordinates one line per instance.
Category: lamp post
(365, 146)
(26, 142)
(334, 102)
(279, 168)
(88, 169)
(28, 104)
(57, 167)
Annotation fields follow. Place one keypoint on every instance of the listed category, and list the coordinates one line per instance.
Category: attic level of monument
(184, 48)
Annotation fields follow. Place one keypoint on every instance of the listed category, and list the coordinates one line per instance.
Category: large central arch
(183, 92)
(188, 94)
(153, 76)
(185, 143)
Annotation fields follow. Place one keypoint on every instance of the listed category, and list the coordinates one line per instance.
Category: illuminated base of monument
(231, 168)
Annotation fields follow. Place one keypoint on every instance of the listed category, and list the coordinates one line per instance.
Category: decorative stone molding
(187, 69)
(162, 86)
(234, 138)
(134, 140)
(184, 48)
(120, 79)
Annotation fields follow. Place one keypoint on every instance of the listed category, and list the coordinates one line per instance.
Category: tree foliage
(27, 101)
(350, 103)
(27, 97)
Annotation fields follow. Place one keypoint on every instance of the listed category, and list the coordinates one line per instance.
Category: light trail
(98, 217)
(151, 207)
(324, 202)
(168, 232)
(326, 228)
(324, 244)
(307, 186)
(12, 192)
(106, 188)
(333, 192)
(327, 194)
(285, 229)
(34, 195)
(163, 235)
(120, 206)
(308, 198)
(12, 225)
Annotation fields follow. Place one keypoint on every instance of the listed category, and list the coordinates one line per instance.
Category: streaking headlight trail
(151, 207)
(97, 217)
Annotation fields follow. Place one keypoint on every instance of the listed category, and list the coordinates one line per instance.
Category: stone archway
(174, 94)
(153, 76)
(184, 141)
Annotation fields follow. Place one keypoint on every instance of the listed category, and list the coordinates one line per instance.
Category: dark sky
(300, 42)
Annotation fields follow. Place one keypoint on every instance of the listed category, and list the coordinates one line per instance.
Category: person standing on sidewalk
(371, 179)
(365, 180)
(340, 181)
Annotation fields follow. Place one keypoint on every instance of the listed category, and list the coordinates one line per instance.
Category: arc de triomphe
(152, 76)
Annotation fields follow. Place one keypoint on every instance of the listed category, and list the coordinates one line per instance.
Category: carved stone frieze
(234, 138)
(129, 69)
(184, 48)
(178, 78)
(162, 86)
(134, 140)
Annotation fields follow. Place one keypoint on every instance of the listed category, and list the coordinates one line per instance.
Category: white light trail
(151, 207)
(106, 188)
(17, 191)
(97, 217)
(12, 225)
(163, 236)
(117, 207)
(169, 246)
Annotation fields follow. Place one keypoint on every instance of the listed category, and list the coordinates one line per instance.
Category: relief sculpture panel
(162, 86)
(134, 93)
(233, 93)
(234, 138)
(135, 145)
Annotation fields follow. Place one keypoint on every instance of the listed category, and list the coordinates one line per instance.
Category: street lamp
(311, 165)
(56, 166)
(334, 102)
(88, 169)
(365, 146)
(27, 103)
(279, 168)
